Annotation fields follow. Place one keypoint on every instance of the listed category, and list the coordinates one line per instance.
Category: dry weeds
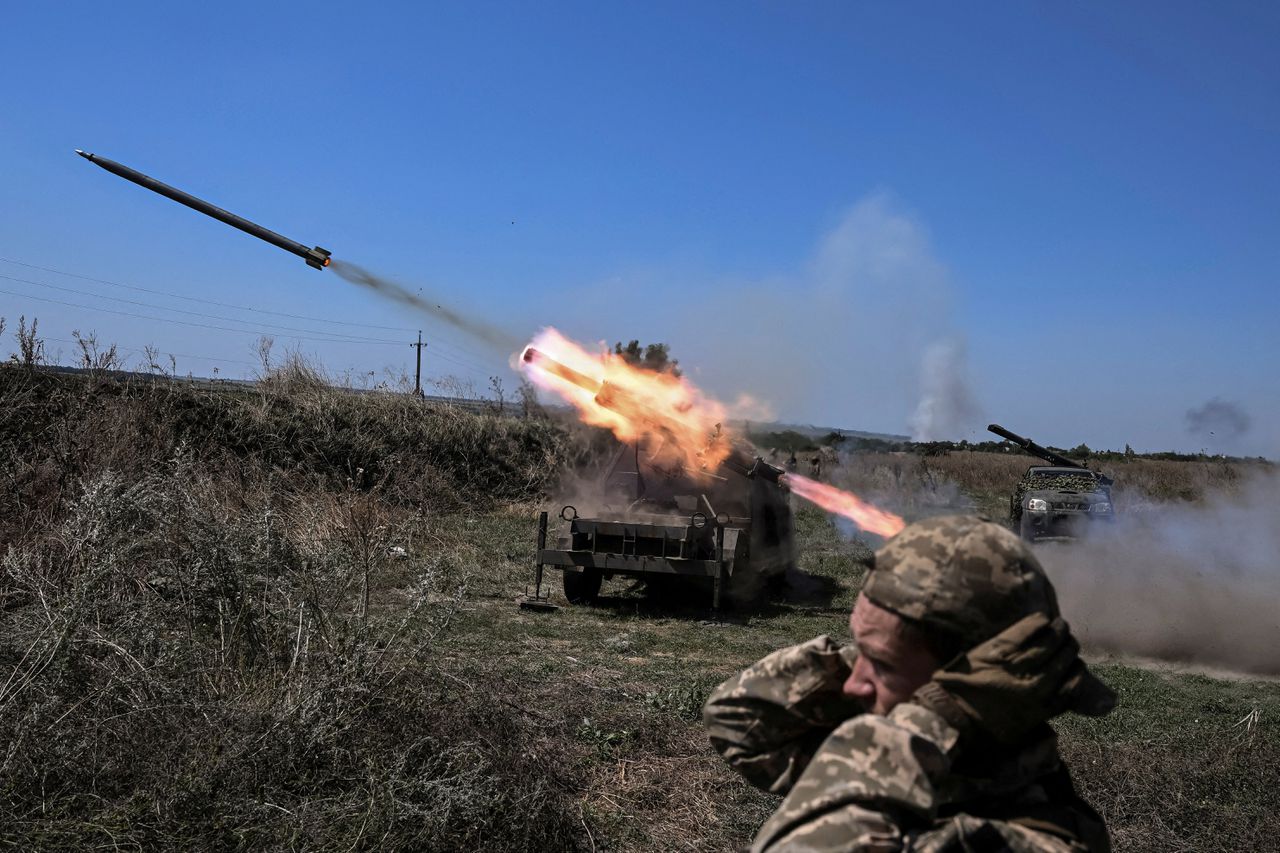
(208, 641)
(953, 481)
(189, 657)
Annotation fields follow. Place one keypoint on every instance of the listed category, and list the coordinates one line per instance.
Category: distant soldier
(931, 731)
(815, 467)
(792, 463)
(830, 456)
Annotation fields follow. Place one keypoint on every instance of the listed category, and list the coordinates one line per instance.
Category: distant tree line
(654, 357)
(797, 442)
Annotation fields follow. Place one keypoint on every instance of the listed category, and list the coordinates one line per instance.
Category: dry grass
(915, 484)
(207, 641)
(1185, 762)
(1178, 766)
(188, 670)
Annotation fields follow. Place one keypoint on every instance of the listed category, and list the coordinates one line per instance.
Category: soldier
(931, 731)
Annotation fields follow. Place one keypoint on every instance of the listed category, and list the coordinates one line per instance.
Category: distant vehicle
(1060, 500)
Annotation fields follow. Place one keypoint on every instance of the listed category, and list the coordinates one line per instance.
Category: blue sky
(1060, 217)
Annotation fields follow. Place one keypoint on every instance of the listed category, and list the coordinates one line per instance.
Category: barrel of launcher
(747, 466)
(1035, 449)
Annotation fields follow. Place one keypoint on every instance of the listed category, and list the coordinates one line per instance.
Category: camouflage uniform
(919, 778)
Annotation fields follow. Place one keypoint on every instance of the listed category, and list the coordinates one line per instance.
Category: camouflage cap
(962, 574)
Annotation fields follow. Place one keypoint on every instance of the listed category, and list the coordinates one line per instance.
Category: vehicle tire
(582, 587)
(1026, 529)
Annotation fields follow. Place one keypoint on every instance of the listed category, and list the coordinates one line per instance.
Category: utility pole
(417, 374)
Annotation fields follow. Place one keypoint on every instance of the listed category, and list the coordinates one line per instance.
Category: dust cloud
(1196, 583)
(585, 490)
(497, 337)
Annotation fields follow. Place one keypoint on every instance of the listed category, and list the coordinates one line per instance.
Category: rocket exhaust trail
(633, 402)
(316, 257)
(867, 516)
(487, 332)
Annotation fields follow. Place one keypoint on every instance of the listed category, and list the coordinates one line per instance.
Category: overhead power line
(189, 322)
(334, 335)
(133, 349)
(458, 363)
(204, 301)
(459, 351)
(258, 332)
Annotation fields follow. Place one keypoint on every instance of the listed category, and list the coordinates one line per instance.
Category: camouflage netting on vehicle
(1083, 482)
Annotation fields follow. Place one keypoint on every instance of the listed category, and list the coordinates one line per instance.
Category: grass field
(1185, 763)
(286, 620)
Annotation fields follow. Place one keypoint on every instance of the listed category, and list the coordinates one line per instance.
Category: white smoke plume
(843, 338)
(880, 262)
(1189, 582)
(947, 403)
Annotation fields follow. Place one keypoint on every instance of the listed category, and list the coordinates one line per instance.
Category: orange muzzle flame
(638, 404)
(633, 403)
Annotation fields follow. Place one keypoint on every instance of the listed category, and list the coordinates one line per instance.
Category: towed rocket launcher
(727, 525)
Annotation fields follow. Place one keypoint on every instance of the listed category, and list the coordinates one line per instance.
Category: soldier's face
(892, 661)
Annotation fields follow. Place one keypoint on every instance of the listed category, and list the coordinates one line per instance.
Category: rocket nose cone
(84, 155)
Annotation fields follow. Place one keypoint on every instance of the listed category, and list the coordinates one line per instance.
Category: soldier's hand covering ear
(1022, 677)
